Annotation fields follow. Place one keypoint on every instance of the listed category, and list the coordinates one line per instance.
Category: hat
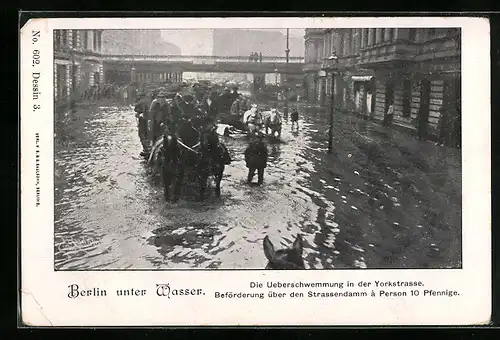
(188, 97)
(161, 94)
(274, 110)
(254, 106)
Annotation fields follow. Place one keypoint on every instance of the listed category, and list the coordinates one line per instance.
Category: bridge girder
(222, 67)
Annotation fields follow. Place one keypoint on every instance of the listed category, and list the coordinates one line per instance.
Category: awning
(361, 78)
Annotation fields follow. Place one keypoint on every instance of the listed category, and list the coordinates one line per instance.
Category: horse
(253, 125)
(272, 120)
(208, 156)
(290, 258)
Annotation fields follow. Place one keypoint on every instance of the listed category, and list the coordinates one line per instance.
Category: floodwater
(381, 200)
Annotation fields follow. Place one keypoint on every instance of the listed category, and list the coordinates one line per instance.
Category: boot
(261, 177)
(250, 176)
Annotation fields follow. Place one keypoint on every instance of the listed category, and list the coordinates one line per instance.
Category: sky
(200, 40)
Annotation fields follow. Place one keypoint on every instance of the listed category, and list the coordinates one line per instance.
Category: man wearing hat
(225, 100)
(141, 112)
(253, 119)
(158, 114)
(256, 158)
(210, 104)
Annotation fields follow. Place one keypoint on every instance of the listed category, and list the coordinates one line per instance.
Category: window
(365, 37)
(99, 42)
(85, 40)
(389, 34)
(345, 49)
(407, 95)
(340, 51)
(431, 33)
(74, 39)
(358, 41)
(57, 38)
(64, 38)
(352, 36)
(412, 34)
(95, 40)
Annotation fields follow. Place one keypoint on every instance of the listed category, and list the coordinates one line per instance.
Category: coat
(141, 108)
(256, 155)
(211, 109)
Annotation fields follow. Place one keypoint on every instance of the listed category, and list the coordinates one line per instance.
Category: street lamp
(287, 52)
(332, 59)
(73, 77)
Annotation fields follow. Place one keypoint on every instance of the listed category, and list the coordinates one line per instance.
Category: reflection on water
(110, 215)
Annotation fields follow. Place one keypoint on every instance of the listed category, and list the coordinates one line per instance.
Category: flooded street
(381, 200)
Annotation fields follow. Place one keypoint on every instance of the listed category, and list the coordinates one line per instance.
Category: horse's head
(209, 137)
(290, 258)
(274, 116)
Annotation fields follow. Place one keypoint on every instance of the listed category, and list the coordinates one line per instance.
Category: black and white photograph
(237, 148)
(244, 171)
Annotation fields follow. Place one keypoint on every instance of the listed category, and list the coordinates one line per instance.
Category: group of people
(447, 128)
(254, 56)
(160, 112)
(122, 93)
(254, 120)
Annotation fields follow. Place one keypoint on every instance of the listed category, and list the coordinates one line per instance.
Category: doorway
(389, 94)
(457, 122)
(423, 113)
(96, 78)
(61, 81)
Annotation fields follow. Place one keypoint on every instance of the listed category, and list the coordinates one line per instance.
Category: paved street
(381, 200)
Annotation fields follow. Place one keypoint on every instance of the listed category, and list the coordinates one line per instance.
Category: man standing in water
(141, 111)
(158, 114)
(256, 158)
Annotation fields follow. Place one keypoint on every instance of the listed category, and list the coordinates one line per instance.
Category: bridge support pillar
(133, 75)
(259, 80)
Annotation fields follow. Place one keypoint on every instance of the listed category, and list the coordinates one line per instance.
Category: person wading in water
(159, 111)
(141, 111)
(256, 158)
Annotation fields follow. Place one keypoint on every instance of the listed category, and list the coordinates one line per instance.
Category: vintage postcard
(255, 171)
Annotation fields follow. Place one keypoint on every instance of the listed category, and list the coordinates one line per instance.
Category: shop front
(364, 90)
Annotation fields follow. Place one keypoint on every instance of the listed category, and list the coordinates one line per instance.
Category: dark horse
(195, 153)
(284, 258)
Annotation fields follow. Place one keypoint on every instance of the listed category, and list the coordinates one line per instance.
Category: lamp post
(287, 51)
(331, 61)
(73, 77)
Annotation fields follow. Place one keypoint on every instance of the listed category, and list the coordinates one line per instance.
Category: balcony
(312, 66)
(392, 54)
(445, 48)
(314, 31)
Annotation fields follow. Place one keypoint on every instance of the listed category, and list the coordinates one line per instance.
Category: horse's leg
(166, 171)
(218, 179)
(202, 178)
(167, 181)
(178, 181)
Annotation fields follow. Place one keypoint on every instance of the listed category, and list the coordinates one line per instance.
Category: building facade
(241, 42)
(77, 62)
(137, 42)
(417, 70)
(313, 58)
